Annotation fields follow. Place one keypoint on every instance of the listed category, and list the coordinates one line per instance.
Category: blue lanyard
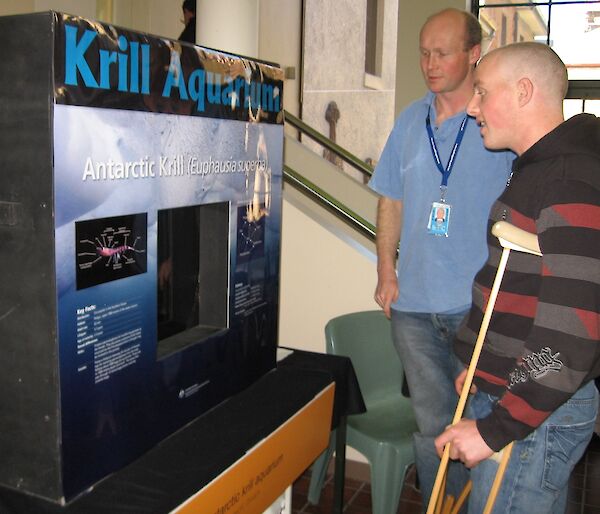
(436, 156)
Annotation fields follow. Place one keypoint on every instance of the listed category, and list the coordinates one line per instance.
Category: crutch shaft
(461, 499)
(469, 378)
(511, 238)
(498, 479)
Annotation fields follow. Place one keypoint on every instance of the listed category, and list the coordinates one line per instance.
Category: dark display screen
(193, 271)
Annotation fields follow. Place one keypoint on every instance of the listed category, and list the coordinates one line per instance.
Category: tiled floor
(584, 491)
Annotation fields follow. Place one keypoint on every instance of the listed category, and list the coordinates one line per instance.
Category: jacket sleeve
(562, 349)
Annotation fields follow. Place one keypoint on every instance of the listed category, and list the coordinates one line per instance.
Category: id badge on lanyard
(439, 219)
(439, 216)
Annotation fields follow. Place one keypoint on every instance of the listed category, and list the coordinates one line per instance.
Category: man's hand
(467, 444)
(387, 291)
(459, 383)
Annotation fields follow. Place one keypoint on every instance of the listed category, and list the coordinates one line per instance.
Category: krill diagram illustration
(110, 249)
(250, 234)
(251, 221)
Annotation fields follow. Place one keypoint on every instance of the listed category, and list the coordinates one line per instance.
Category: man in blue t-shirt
(437, 183)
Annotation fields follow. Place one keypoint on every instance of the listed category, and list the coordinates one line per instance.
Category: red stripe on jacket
(492, 379)
(591, 321)
(513, 303)
(523, 222)
(580, 215)
(520, 410)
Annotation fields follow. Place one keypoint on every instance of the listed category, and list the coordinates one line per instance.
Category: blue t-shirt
(435, 273)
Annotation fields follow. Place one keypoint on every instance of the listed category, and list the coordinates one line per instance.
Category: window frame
(374, 42)
(578, 89)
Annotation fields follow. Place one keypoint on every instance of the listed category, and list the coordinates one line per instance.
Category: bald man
(535, 378)
(437, 183)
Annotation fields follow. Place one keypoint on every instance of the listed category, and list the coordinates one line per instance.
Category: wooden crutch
(511, 238)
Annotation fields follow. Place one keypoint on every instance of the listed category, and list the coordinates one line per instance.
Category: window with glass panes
(570, 27)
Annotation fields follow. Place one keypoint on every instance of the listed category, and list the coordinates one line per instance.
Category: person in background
(535, 377)
(189, 20)
(437, 183)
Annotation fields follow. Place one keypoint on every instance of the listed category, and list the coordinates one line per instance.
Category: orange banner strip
(255, 481)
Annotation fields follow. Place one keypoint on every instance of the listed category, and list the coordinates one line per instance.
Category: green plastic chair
(383, 434)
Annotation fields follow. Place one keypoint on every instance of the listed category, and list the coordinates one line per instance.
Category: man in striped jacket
(535, 378)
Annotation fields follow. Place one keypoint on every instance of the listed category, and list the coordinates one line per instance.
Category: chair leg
(319, 471)
(387, 480)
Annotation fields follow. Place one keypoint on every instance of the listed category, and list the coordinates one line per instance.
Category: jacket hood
(577, 135)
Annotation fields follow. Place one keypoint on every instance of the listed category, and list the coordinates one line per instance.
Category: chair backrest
(366, 338)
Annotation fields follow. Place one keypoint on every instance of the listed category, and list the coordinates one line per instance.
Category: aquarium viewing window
(193, 271)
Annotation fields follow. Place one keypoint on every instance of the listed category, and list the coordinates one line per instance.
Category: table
(348, 400)
(167, 475)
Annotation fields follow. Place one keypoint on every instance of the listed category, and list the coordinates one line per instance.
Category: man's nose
(473, 106)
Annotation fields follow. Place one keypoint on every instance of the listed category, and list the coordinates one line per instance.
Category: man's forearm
(389, 222)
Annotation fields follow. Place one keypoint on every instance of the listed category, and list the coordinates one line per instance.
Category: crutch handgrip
(516, 238)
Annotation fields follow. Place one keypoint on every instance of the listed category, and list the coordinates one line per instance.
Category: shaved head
(519, 92)
(537, 62)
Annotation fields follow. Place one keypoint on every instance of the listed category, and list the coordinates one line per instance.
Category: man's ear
(524, 91)
(474, 54)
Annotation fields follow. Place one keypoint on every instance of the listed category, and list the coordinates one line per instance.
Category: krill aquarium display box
(140, 218)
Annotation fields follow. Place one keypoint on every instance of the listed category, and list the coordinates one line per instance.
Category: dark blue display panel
(166, 177)
(118, 395)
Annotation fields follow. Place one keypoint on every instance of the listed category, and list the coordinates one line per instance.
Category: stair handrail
(330, 203)
(351, 159)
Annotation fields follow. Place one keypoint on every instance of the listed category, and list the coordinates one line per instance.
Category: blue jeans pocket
(565, 445)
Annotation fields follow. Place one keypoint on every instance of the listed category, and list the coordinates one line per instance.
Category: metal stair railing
(321, 197)
(354, 161)
(327, 201)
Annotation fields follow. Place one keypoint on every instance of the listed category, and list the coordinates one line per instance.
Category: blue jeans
(537, 477)
(424, 344)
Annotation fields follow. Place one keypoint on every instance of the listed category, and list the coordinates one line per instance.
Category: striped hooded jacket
(543, 340)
